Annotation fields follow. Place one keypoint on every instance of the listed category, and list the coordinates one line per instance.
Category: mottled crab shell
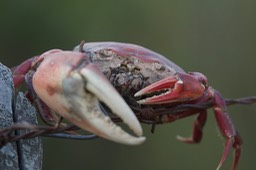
(129, 66)
(106, 49)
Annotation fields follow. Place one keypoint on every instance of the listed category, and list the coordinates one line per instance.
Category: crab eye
(104, 53)
(204, 84)
(201, 78)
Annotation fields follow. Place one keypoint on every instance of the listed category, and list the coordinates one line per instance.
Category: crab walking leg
(72, 86)
(227, 128)
(20, 71)
(197, 133)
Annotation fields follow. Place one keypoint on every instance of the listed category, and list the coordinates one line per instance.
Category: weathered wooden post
(24, 154)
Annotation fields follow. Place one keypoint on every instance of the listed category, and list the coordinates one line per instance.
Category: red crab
(71, 83)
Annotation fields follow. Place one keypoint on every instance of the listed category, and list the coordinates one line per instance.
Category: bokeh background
(217, 38)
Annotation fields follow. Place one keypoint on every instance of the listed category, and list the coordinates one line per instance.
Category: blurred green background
(217, 38)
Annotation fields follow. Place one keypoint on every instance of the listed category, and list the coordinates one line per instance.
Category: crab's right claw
(74, 88)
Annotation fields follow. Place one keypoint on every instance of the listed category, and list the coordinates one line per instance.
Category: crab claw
(180, 88)
(72, 86)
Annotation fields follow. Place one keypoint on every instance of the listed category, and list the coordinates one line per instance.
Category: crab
(120, 76)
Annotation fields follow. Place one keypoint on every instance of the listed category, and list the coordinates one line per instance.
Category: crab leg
(227, 128)
(173, 85)
(179, 88)
(20, 71)
(70, 85)
(197, 133)
(194, 88)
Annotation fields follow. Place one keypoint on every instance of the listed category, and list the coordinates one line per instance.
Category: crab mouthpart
(162, 91)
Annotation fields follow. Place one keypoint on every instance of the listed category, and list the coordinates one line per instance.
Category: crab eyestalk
(72, 86)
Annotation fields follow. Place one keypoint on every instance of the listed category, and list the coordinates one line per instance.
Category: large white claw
(73, 90)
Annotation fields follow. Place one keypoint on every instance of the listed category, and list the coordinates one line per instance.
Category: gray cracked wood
(24, 154)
